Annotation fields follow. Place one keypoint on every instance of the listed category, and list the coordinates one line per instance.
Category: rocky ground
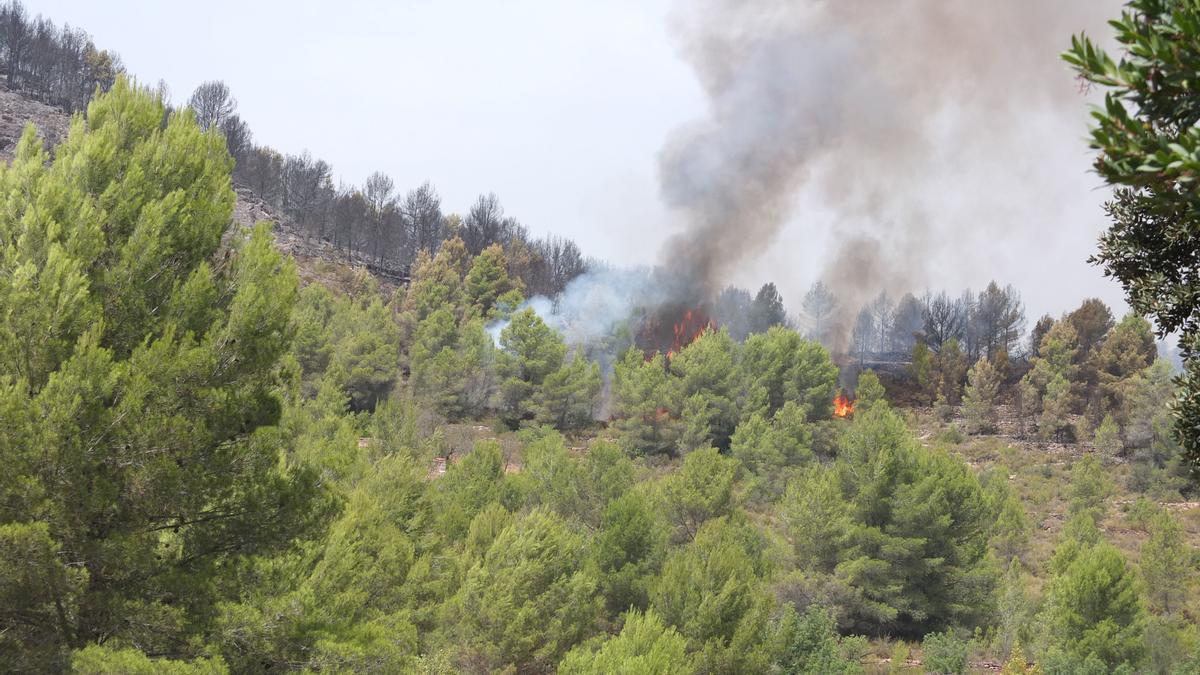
(16, 111)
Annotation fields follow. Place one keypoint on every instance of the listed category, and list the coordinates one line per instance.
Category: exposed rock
(16, 111)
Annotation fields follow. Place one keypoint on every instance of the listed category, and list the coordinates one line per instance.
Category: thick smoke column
(868, 104)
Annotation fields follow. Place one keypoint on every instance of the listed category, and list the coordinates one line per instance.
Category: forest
(214, 467)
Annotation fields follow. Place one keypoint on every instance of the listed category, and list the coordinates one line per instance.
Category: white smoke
(596, 304)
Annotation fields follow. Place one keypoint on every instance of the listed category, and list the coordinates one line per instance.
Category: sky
(561, 109)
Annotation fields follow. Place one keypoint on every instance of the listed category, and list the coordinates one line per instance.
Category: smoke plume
(876, 109)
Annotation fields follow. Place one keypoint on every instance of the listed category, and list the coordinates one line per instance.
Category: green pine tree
(709, 383)
(451, 365)
(628, 551)
(644, 645)
(869, 392)
(892, 520)
(528, 602)
(140, 385)
(1166, 565)
(979, 403)
(528, 353)
(711, 592)
(645, 405)
(487, 282)
(1108, 439)
(569, 396)
(1056, 405)
(789, 368)
(1094, 609)
(702, 489)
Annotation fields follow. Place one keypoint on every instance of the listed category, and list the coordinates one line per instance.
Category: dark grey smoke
(869, 103)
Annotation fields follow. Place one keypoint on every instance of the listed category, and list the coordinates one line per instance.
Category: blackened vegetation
(373, 225)
(58, 66)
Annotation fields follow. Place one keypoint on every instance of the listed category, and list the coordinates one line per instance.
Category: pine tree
(869, 392)
(767, 309)
(1094, 610)
(1089, 488)
(569, 396)
(753, 447)
(1108, 440)
(628, 551)
(696, 421)
(313, 344)
(437, 281)
(789, 368)
(1015, 609)
(809, 644)
(468, 486)
(893, 520)
(1127, 350)
(1165, 565)
(707, 369)
(527, 602)
(712, 594)
(97, 660)
(1148, 415)
(769, 452)
(451, 364)
(645, 404)
(1047, 385)
(1056, 405)
(979, 403)
(921, 370)
(644, 645)
(1028, 401)
(367, 353)
(1010, 534)
(949, 371)
(579, 489)
(701, 490)
(355, 593)
(944, 654)
(487, 282)
(529, 352)
(816, 519)
(140, 386)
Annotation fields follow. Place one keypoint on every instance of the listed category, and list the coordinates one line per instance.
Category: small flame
(842, 406)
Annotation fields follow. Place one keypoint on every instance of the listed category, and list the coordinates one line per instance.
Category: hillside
(317, 260)
(211, 470)
(466, 420)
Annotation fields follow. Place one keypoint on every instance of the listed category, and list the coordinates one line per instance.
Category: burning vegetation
(685, 323)
(843, 406)
(689, 328)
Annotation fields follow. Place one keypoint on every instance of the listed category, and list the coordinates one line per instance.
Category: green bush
(944, 654)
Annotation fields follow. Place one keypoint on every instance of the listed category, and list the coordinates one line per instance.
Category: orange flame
(688, 329)
(842, 406)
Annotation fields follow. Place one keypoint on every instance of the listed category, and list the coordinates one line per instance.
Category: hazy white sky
(559, 107)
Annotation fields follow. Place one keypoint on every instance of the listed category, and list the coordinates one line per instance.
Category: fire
(842, 406)
(669, 328)
(688, 329)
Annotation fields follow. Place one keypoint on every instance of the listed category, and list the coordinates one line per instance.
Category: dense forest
(213, 467)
